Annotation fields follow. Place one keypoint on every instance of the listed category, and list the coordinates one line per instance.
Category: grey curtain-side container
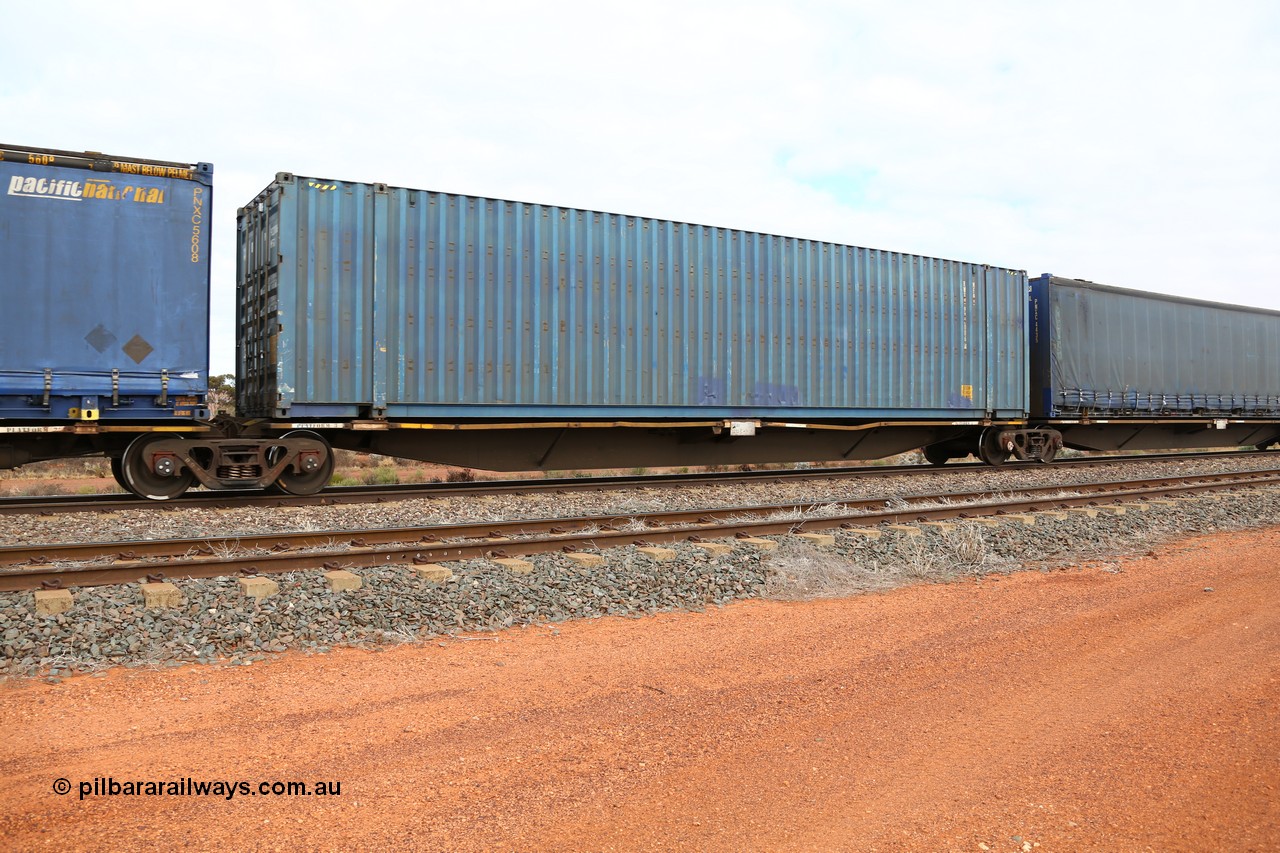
(1111, 352)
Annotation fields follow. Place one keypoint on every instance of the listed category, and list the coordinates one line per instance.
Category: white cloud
(1131, 143)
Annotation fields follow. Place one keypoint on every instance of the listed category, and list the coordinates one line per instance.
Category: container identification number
(197, 220)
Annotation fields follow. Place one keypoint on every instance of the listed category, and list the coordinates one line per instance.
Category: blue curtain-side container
(104, 281)
(1099, 350)
(367, 300)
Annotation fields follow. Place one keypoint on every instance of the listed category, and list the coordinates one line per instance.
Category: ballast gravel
(109, 626)
(171, 522)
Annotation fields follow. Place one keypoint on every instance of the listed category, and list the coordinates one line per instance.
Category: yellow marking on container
(966, 391)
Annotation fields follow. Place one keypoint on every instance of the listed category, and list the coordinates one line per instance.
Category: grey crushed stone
(108, 625)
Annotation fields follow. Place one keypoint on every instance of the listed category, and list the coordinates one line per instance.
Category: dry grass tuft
(38, 489)
(802, 572)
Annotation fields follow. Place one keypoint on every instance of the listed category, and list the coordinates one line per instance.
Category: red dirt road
(1077, 710)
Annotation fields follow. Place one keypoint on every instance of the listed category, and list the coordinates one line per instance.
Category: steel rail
(545, 535)
(339, 495)
(129, 550)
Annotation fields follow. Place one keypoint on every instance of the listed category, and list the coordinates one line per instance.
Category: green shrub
(381, 476)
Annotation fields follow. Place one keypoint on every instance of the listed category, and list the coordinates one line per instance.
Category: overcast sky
(1130, 143)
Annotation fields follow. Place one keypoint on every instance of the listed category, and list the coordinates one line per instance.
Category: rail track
(49, 566)
(339, 495)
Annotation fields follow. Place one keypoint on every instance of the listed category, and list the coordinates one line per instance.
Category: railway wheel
(936, 454)
(989, 449)
(118, 472)
(139, 475)
(318, 472)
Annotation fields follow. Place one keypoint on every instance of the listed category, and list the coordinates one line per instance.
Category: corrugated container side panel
(1126, 352)
(103, 271)
(251, 273)
(326, 295)
(488, 304)
(1008, 367)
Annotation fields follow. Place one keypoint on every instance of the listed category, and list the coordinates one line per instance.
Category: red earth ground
(1117, 707)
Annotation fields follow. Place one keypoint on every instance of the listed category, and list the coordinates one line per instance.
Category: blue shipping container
(1106, 350)
(368, 300)
(105, 283)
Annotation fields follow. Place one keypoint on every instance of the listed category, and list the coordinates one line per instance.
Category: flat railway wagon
(513, 336)
(1118, 369)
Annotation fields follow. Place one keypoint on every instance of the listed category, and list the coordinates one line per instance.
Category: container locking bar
(48, 385)
(115, 387)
